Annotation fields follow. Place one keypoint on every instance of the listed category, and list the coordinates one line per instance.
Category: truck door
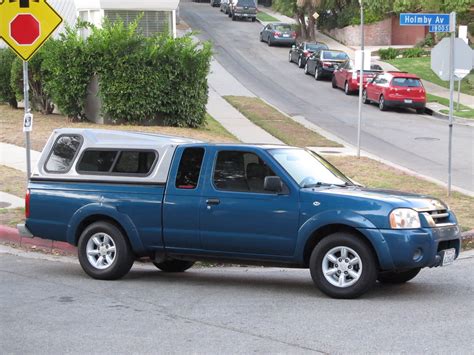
(238, 217)
(182, 200)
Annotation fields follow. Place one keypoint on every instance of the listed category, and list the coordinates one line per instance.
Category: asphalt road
(51, 306)
(417, 142)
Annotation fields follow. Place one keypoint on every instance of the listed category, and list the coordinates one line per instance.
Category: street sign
(462, 59)
(435, 22)
(28, 122)
(315, 15)
(26, 24)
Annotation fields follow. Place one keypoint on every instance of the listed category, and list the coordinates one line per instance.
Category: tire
(290, 58)
(420, 111)
(346, 88)
(300, 62)
(95, 252)
(306, 69)
(365, 100)
(333, 82)
(234, 18)
(261, 38)
(269, 41)
(174, 265)
(253, 19)
(317, 74)
(393, 277)
(382, 105)
(358, 260)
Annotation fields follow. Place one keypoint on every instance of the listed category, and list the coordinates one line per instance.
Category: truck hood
(396, 199)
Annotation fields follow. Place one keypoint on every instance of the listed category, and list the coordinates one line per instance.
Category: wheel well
(96, 218)
(325, 231)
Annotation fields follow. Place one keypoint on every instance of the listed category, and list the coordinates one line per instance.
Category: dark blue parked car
(119, 196)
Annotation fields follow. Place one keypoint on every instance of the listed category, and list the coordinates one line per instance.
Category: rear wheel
(346, 88)
(290, 59)
(306, 71)
(317, 73)
(334, 84)
(174, 265)
(253, 19)
(104, 252)
(269, 41)
(300, 62)
(365, 100)
(393, 277)
(382, 105)
(343, 265)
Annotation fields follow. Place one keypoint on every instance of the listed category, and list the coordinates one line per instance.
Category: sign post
(361, 73)
(451, 97)
(25, 27)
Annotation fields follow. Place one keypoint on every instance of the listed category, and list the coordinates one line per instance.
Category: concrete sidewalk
(434, 89)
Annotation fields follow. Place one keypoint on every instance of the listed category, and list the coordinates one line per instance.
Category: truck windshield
(309, 169)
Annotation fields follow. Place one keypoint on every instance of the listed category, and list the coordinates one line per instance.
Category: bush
(6, 93)
(389, 53)
(37, 77)
(70, 68)
(428, 41)
(413, 52)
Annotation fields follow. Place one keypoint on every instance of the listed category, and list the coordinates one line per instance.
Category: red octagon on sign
(25, 29)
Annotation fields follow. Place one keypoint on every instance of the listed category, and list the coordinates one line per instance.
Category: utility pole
(361, 79)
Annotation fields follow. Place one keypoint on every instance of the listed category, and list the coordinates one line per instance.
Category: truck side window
(135, 162)
(129, 162)
(63, 153)
(240, 172)
(189, 168)
(96, 161)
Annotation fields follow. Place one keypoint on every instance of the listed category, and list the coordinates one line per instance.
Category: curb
(11, 236)
(443, 117)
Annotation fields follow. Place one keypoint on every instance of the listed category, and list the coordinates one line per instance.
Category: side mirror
(272, 184)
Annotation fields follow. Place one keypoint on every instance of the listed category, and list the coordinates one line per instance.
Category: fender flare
(109, 211)
(349, 219)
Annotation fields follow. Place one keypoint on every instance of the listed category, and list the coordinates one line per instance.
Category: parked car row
(386, 89)
(237, 9)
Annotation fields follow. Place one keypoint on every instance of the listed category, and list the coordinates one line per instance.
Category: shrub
(37, 77)
(413, 52)
(6, 93)
(389, 53)
(70, 68)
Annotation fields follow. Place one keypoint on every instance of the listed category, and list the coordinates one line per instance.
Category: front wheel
(365, 99)
(347, 91)
(382, 105)
(306, 71)
(104, 252)
(289, 58)
(394, 277)
(174, 265)
(343, 266)
(300, 62)
(317, 73)
(333, 83)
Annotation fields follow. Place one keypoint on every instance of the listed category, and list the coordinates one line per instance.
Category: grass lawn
(13, 182)
(277, 124)
(422, 68)
(11, 121)
(464, 111)
(264, 17)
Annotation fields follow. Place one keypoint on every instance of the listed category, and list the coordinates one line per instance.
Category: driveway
(417, 142)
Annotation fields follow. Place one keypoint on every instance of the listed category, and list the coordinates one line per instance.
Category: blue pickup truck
(119, 196)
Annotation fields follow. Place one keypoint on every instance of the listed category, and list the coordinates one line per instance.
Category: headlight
(404, 218)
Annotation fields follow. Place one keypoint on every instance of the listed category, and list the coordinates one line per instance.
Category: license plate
(408, 101)
(245, 15)
(286, 36)
(448, 256)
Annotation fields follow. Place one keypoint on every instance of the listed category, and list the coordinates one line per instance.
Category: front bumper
(403, 249)
(244, 15)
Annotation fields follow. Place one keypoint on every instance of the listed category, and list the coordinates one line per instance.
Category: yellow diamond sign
(26, 24)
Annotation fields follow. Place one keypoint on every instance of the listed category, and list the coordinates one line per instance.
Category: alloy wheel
(101, 251)
(342, 266)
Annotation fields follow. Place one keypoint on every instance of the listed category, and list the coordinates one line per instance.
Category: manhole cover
(4, 204)
(426, 139)
(329, 152)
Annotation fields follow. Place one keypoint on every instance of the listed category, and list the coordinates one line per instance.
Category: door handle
(213, 201)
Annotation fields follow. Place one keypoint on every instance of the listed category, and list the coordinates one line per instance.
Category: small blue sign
(432, 20)
(439, 28)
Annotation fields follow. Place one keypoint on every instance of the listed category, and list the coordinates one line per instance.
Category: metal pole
(451, 98)
(459, 93)
(27, 110)
(361, 79)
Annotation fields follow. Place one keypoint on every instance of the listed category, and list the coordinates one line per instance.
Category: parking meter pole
(451, 98)
(27, 110)
(361, 79)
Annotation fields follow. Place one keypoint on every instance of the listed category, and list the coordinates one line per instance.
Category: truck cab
(119, 196)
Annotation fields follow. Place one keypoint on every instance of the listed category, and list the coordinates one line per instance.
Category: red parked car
(396, 89)
(347, 78)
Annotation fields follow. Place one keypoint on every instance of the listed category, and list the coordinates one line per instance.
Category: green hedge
(6, 93)
(389, 53)
(141, 79)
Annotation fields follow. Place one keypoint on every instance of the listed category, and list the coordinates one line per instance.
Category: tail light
(293, 34)
(27, 204)
(277, 34)
(326, 65)
(239, 8)
(306, 53)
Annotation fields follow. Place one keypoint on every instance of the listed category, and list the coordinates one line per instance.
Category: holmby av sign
(436, 22)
